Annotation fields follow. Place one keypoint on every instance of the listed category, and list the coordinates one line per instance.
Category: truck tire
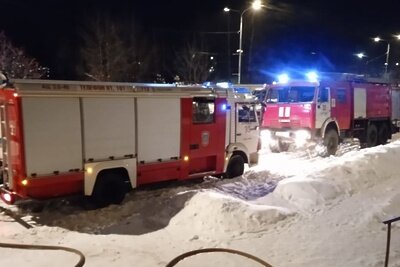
(383, 134)
(109, 189)
(372, 135)
(331, 142)
(235, 167)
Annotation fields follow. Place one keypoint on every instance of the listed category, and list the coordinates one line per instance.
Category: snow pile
(315, 185)
(214, 213)
(340, 176)
(304, 192)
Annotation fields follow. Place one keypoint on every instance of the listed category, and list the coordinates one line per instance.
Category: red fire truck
(325, 110)
(97, 138)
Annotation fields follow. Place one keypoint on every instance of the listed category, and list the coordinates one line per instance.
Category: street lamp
(255, 6)
(378, 39)
(360, 55)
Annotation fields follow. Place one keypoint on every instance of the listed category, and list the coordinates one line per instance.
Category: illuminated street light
(256, 5)
(378, 39)
(360, 55)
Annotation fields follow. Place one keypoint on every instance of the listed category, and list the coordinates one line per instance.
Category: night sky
(288, 34)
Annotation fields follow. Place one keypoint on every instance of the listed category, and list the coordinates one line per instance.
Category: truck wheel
(372, 135)
(331, 142)
(235, 166)
(109, 189)
(383, 134)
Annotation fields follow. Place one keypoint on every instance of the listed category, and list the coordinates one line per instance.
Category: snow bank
(305, 192)
(215, 213)
(336, 176)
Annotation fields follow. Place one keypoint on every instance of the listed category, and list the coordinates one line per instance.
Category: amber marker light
(89, 170)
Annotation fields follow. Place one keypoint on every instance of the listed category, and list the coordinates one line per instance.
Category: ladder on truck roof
(32, 87)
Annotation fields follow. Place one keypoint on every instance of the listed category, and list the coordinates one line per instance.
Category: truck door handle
(239, 134)
(194, 146)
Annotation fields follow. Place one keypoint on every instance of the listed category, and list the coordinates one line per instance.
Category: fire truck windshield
(292, 94)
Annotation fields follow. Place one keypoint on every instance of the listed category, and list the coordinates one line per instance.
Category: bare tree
(193, 63)
(110, 51)
(17, 64)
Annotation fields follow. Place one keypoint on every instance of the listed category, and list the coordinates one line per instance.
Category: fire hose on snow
(80, 263)
(37, 247)
(207, 250)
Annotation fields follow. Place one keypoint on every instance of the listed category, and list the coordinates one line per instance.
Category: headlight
(266, 137)
(301, 137)
(265, 134)
(303, 134)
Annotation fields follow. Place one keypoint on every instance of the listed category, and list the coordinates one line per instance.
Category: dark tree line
(110, 49)
(17, 64)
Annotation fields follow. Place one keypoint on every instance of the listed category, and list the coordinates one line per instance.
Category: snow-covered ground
(290, 210)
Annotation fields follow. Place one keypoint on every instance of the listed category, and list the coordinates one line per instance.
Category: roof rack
(351, 77)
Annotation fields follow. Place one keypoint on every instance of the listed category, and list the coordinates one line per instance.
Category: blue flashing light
(224, 85)
(312, 76)
(225, 107)
(283, 78)
(207, 84)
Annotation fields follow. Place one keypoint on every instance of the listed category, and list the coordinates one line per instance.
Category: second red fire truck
(325, 110)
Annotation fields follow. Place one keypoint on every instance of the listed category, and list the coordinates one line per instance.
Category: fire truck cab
(325, 110)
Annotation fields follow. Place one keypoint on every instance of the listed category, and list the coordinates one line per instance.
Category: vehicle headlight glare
(302, 136)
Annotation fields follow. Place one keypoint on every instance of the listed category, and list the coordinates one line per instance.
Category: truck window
(247, 113)
(203, 110)
(323, 95)
(341, 96)
(291, 94)
(277, 95)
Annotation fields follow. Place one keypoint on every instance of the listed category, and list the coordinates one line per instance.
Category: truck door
(323, 109)
(341, 104)
(207, 135)
(247, 130)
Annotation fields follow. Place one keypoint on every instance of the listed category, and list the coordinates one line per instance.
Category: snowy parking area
(289, 210)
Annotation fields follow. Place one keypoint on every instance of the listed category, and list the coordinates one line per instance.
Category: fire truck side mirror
(3, 80)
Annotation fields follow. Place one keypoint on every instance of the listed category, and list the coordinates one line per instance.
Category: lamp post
(255, 6)
(378, 39)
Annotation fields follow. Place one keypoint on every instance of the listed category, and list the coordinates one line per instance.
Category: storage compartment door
(159, 129)
(360, 103)
(109, 128)
(52, 134)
